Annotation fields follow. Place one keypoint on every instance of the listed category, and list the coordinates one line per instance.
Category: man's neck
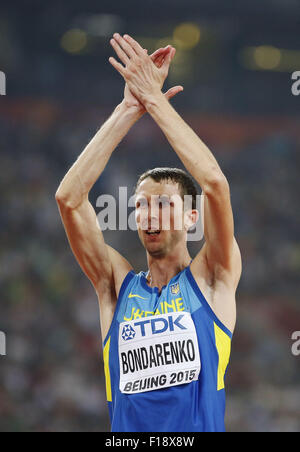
(162, 269)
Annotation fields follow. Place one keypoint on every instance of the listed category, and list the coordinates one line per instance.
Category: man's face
(160, 216)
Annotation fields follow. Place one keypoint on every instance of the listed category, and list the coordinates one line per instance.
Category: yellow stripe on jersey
(106, 370)
(223, 344)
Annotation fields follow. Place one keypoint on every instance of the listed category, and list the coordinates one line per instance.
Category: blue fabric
(191, 407)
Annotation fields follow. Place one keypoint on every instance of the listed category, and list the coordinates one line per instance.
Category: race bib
(157, 352)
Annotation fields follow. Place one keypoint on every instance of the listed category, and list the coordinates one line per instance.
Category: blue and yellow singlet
(165, 358)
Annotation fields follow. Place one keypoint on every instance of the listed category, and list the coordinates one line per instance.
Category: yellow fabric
(223, 344)
(106, 370)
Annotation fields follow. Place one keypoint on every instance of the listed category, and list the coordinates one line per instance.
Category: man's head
(165, 209)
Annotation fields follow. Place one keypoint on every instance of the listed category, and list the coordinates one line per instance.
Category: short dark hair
(176, 175)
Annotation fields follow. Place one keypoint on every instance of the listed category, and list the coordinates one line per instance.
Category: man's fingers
(159, 56)
(160, 51)
(157, 53)
(134, 45)
(158, 59)
(173, 91)
(125, 46)
(119, 51)
(116, 65)
(167, 61)
(170, 56)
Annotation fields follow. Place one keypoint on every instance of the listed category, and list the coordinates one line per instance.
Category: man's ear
(191, 217)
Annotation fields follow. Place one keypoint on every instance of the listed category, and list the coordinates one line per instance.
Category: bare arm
(78, 215)
(221, 250)
(103, 265)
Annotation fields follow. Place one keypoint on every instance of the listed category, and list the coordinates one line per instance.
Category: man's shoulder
(229, 276)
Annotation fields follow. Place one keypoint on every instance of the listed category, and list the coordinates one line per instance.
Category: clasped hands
(144, 75)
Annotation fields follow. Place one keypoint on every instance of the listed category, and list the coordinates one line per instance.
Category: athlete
(166, 332)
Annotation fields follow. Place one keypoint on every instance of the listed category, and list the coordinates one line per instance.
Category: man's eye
(141, 204)
(165, 202)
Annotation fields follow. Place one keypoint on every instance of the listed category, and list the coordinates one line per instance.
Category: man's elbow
(63, 199)
(216, 184)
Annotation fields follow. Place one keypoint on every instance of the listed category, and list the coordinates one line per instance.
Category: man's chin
(157, 253)
(155, 249)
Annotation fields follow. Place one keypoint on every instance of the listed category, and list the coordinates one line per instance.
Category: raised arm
(103, 265)
(78, 215)
(220, 250)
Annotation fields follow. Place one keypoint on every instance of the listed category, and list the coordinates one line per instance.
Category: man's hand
(158, 58)
(143, 76)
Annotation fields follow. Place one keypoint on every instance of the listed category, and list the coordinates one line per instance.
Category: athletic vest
(165, 358)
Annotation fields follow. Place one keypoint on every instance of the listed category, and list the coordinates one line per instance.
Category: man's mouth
(152, 232)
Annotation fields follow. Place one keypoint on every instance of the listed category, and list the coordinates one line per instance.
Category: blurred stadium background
(235, 61)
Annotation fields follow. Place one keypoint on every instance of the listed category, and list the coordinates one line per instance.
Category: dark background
(235, 62)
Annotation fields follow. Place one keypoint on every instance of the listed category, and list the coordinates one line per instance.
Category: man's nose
(153, 218)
